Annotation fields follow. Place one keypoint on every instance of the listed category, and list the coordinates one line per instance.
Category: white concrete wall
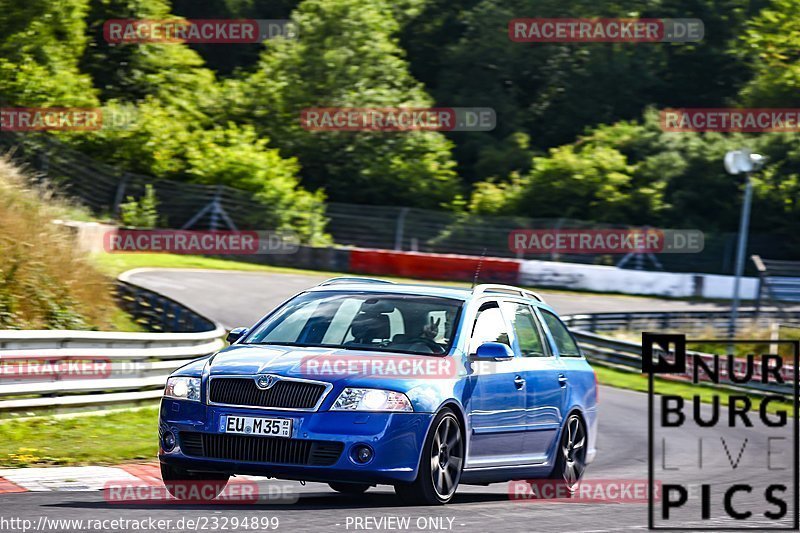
(612, 279)
(717, 286)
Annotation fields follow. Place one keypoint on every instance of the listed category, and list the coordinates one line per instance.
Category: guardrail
(627, 355)
(130, 367)
(689, 322)
(94, 368)
(54, 368)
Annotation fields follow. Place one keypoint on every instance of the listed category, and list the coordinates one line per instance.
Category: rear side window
(526, 329)
(564, 342)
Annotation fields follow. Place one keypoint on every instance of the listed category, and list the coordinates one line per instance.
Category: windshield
(363, 321)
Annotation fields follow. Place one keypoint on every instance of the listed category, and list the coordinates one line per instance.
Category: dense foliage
(577, 133)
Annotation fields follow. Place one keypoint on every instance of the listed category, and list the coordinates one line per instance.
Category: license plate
(263, 427)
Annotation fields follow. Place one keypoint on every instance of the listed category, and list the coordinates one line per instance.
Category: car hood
(330, 364)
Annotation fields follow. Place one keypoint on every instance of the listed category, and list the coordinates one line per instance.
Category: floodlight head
(758, 161)
(743, 161)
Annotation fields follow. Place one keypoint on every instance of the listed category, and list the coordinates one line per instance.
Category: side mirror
(236, 334)
(493, 351)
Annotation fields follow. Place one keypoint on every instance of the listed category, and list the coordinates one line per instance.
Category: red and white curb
(84, 478)
(75, 478)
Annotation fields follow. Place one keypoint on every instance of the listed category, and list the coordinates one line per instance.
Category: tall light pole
(741, 162)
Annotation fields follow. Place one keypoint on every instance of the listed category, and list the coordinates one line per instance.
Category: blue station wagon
(358, 382)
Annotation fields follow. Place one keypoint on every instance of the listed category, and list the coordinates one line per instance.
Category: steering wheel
(435, 347)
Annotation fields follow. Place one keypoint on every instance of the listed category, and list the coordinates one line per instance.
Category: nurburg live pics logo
(730, 461)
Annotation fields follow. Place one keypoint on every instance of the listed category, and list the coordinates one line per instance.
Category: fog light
(168, 441)
(362, 454)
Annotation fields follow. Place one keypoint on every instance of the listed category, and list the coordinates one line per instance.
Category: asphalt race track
(240, 298)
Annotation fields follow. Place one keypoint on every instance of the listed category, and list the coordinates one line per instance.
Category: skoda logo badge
(265, 382)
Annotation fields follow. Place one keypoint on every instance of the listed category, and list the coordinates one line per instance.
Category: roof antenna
(478, 268)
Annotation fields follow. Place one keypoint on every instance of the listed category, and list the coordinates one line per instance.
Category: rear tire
(440, 465)
(185, 485)
(349, 488)
(570, 456)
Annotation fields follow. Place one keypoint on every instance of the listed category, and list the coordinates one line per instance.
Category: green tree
(635, 173)
(141, 213)
(553, 92)
(40, 46)
(771, 45)
(347, 56)
(171, 72)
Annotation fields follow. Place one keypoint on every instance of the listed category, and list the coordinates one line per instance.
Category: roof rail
(491, 287)
(353, 279)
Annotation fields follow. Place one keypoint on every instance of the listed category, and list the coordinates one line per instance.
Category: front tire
(440, 465)
(185, 485)
(349, 488)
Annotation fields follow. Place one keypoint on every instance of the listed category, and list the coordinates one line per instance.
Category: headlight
(183, 388)
(371, 400)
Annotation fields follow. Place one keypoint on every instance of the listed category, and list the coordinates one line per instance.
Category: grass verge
(117, 437)
(107, 438)
(116, 264)
(622, 379)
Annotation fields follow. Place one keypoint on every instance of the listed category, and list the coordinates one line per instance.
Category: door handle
(562, 380)
(519, 381)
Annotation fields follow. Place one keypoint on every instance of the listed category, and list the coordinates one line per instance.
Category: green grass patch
(122, 321)
(107, 438)
(116, 264)
(636, 381)
(129, 435)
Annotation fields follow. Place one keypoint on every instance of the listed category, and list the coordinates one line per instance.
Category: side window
(489, 327)
(564, 341)
(526, 329)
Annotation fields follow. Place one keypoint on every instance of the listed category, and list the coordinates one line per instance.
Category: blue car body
(511, 431)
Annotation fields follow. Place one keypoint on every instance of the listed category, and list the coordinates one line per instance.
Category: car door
(497, 405)
(543, 372)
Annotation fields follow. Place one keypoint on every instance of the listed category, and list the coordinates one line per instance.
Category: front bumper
(396, 439)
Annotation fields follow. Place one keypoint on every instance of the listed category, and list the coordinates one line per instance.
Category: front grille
(261, 449)
(285, 394)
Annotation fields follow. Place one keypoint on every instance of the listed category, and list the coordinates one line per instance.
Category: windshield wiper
(276, 343)
(339, 347)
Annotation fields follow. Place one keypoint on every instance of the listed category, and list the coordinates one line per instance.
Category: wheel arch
(458, 411)
(574, 410)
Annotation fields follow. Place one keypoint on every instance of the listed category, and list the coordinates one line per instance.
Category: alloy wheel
(573, 449)
(447, 456)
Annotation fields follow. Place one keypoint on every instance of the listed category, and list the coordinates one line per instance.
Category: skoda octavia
(359, 382)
